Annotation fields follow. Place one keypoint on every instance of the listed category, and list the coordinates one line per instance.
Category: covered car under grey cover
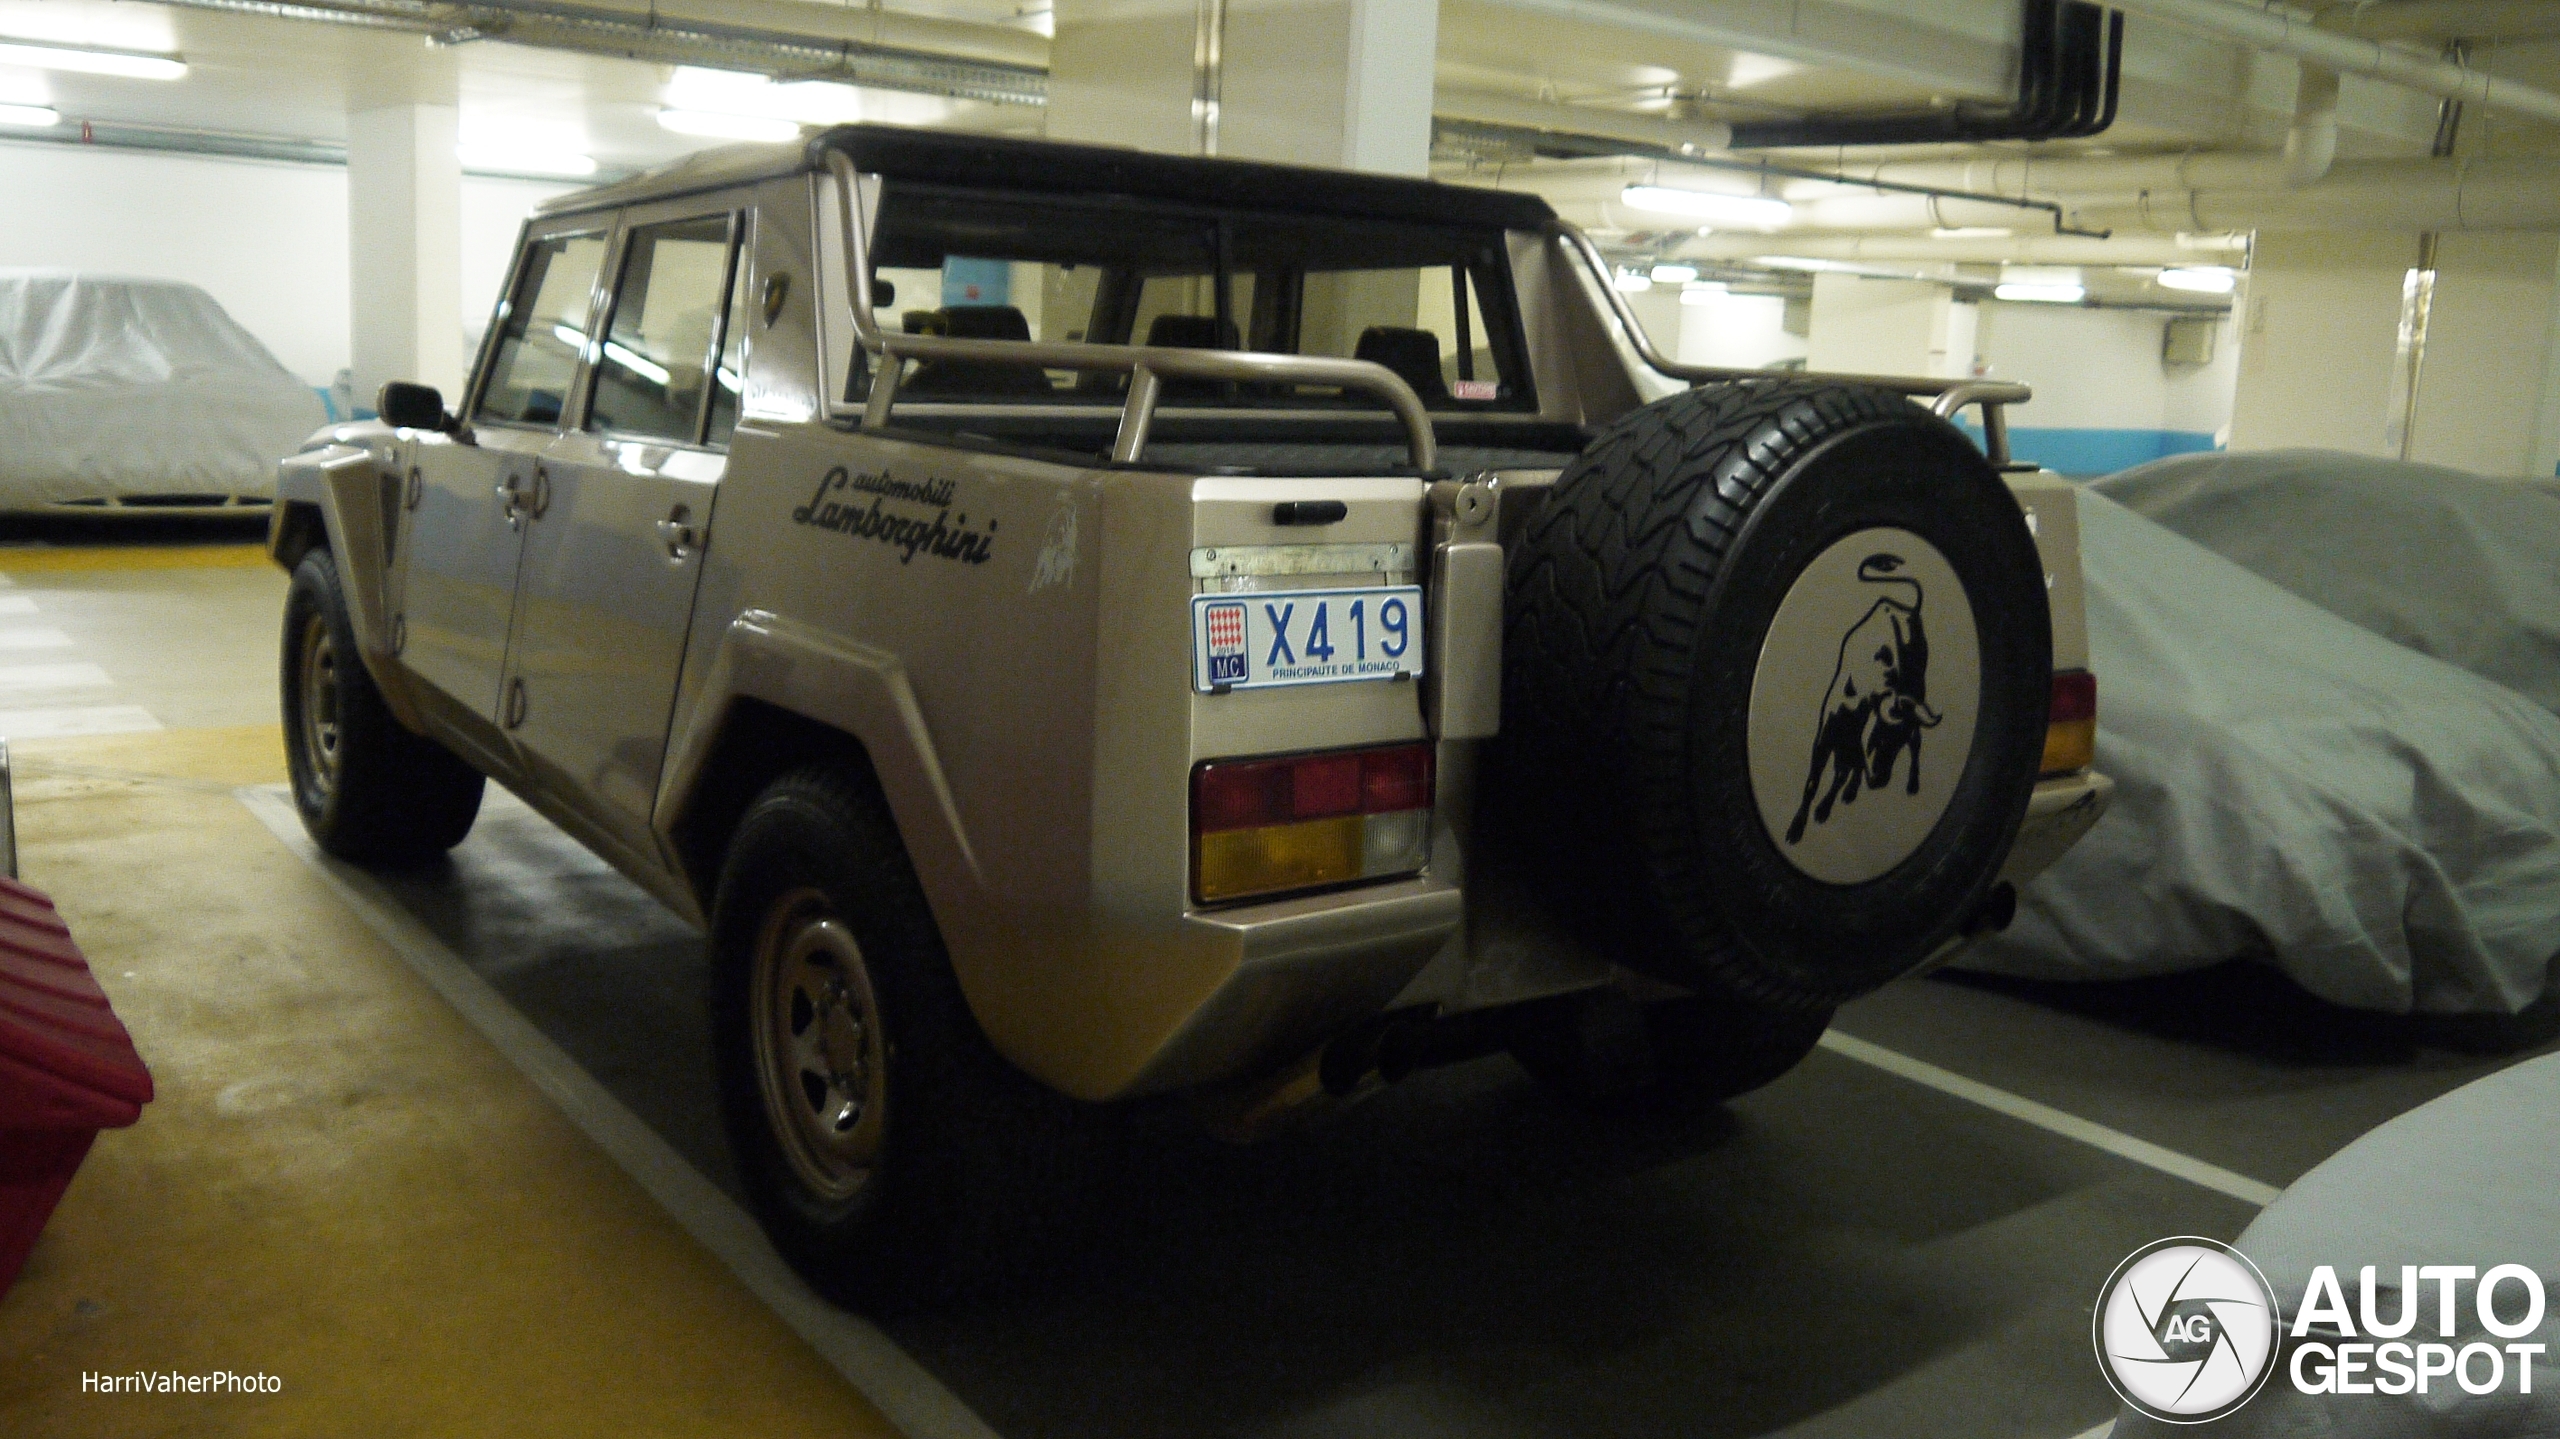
(2449, 563)
(2381, 825)
(114, 387)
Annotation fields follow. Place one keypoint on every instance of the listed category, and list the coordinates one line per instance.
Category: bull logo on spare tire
(1877, 704)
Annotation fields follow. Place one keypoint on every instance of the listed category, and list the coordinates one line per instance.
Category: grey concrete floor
(1846, 1253)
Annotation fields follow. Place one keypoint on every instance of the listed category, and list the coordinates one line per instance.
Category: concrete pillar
(404, 248)
(2318, 335)
(2488, 353)
(1888, 327)
(1339, 83)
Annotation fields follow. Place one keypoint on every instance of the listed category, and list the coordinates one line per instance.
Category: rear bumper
(2063, 809)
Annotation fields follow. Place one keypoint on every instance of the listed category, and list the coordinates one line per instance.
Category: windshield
(1432, 303)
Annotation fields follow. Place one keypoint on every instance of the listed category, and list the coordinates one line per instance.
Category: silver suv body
(1142, 536)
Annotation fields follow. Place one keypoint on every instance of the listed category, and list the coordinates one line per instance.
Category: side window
(729, 377)
(656, 375)
(542, 330)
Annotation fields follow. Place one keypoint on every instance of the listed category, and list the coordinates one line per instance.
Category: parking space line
(34, 637)
(17, 605)
(2046, 1117)
(2101, 1432)
(909, 1396)
(52, 677)
(76, 720)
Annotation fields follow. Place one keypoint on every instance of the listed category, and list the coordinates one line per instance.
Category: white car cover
(2381, 825)
(2449, 563)
(112, 386)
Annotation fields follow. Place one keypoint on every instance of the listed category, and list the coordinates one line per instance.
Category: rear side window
(542, 327)
(660, 367)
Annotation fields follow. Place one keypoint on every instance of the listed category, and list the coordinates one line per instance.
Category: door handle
(677, 535)
(511, 500)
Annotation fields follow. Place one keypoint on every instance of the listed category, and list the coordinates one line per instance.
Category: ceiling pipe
(1485, 107)
(2310, 147)
(2070, 63)
(1919, 249)
(788, 41)
(2446, 20)
(2407, 196)
(2287, 31)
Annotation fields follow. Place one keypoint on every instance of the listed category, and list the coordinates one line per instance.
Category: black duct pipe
(2070, 63)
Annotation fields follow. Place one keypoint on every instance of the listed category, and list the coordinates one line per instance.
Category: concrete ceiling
(1595, 63)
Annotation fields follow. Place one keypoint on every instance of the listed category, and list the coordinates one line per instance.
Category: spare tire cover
(1777, 673)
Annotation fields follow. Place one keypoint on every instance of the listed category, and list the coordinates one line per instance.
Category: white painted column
(404, 248)
(2318, 334)
(1887, 327)
(2488, 353)
(1344, 84)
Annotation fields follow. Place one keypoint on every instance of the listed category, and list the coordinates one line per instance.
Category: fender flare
(358, 497)
(861, 691)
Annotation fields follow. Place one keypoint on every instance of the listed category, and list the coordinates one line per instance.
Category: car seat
(975, 378)
(1413, 354)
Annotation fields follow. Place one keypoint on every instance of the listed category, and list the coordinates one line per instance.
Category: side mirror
(408, 406)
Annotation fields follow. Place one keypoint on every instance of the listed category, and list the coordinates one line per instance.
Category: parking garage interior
(438, 1147)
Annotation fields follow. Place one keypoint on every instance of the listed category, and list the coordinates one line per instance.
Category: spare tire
(1777, 672)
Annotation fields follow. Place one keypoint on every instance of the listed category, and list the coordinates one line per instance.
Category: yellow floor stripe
(340, 1184)
(33, 559)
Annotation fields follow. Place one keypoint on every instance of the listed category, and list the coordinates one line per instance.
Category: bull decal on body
(1878, 703)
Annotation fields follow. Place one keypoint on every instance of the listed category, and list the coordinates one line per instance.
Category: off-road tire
(369, 788)
(958, 1145)
(1639, 597)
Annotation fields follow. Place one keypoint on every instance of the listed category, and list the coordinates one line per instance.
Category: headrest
(1192, 332)
(1413, 354)
(984, 322)
(919, 322)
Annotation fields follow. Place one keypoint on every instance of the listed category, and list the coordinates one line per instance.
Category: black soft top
(1001, 163)
(998, 162)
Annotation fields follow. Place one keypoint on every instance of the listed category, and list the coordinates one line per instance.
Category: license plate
(1269, 639)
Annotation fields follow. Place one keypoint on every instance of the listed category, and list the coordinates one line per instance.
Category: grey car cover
(2382, 825)
(112, 386)
(2449, 563)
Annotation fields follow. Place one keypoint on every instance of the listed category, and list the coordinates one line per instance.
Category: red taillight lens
(2071, 726)
(1269, 826)
(2075, 696)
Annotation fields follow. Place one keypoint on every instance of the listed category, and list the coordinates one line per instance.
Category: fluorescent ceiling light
(1634, 282)
(1706, 294)
(717, 126)
(1971, 232)
(1674, 274)
(31, 117)
(2203, 279)
(508, 160)
(2043, 294)
(1756, 212)
(129, 64)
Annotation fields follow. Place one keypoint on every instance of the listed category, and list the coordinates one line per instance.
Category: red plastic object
(67, 1069)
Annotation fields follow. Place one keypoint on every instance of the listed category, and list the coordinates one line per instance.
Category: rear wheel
(876, 1130)
(368, 787)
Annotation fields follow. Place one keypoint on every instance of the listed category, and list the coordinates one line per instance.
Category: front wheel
(368, 788)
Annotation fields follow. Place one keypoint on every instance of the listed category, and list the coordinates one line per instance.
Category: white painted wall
(2101, 370)
(1879, 327)
(268, 240)
(1740, 331)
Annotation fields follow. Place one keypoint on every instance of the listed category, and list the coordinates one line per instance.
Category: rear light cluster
(2071, 729)
(1266, 826)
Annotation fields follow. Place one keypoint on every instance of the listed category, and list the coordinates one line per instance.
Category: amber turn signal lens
(2071, 729)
